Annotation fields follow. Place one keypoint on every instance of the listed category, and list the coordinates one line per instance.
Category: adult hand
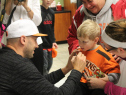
(69, 65)
(55, 45)
(105, 78)
(79, 62)
(117, 59)
(95, 83)
(23, 3)
(27, 8)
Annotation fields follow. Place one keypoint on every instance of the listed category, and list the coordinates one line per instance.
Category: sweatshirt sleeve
(112, 89)
(37, 19)
(72, 31)
(72, 38)
(55, 76)
(26, 80)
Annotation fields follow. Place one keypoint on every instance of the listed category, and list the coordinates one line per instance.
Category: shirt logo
(47, 22)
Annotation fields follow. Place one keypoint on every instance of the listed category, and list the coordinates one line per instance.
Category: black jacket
(47, 27)
(18, 76)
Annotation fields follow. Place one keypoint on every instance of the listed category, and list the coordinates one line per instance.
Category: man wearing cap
(19, 76)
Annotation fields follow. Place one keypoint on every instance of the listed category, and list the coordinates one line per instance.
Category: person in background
(19, 76)
(26, 9)
(47, 27)
(101, 11)
(114, 40)
(99, 61)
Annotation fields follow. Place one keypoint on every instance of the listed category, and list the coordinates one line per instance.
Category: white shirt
(21, 13)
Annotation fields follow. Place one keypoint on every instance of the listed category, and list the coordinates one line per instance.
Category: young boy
(47, 27)
(98, 60)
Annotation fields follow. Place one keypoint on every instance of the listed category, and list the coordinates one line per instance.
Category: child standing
(98, 59)
(47, 27)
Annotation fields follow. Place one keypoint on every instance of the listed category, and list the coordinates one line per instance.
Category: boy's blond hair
(89, 29)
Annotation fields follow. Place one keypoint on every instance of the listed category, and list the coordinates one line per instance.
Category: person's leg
(38, 59)
(78, 90)
(50, 60)
(45, 60)
(97, 92)
(84, 88)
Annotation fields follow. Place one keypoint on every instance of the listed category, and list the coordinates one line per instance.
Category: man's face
(31, 44)
(94, 6)
(85, 43)
(46, 3)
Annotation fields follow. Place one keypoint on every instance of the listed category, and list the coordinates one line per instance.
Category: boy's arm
(114, 77)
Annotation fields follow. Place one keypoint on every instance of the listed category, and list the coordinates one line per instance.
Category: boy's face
(93, 6)
(86, 44)
(46, 3)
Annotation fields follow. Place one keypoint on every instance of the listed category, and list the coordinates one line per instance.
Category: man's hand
(79, 62)
(69, 65)
(95, 83)
(76, 61)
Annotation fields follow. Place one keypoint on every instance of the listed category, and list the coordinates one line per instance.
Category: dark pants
(48, 60)
(87, 91)
(38, 59)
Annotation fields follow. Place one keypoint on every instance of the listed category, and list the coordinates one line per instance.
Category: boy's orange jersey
(98, 61)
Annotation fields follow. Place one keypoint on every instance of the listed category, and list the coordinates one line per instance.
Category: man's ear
(96, 40)
(23, 39)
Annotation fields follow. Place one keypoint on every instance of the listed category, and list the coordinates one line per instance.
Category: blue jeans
(48, 60)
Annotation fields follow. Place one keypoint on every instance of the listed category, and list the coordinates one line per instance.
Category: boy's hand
(55, 45)
(95, 83)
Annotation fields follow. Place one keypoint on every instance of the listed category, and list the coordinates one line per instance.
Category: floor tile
(60, 61)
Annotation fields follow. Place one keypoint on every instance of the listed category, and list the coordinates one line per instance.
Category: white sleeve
(37, 19)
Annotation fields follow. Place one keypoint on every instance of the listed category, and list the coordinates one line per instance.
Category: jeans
(48, 60)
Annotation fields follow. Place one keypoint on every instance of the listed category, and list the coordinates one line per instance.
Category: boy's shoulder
(102, 52)
(51, 11)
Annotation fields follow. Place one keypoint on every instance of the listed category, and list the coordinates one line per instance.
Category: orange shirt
(99, 58)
